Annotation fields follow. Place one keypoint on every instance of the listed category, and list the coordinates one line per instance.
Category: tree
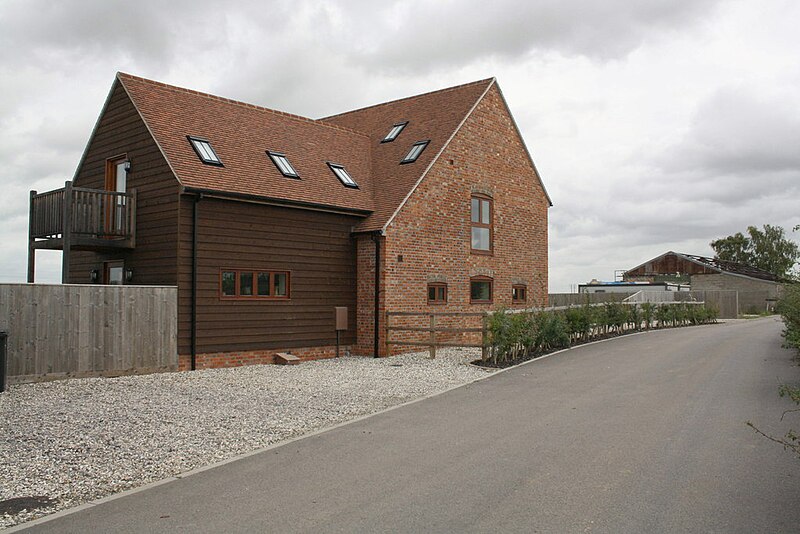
(767, 249)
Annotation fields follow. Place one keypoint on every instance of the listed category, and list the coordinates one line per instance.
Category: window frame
(481, 198)
(194, 142)
(436, 286)
(515, 289)
(481, 279)
(254, 273)
(409, 159)
(400, 127)
(339, 167)
(274, 156)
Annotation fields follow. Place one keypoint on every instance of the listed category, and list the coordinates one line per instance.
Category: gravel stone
(74, 441)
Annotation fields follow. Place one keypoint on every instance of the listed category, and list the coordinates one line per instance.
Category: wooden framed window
(114, 272)
(481, 222)
(437, 293)
(116, 205)
(519, 294)
(246, 284)
(480, 290)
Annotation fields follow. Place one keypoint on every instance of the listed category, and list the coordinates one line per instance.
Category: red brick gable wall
(432, 230)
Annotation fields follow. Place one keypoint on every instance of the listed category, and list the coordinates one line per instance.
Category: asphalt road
(644, 433)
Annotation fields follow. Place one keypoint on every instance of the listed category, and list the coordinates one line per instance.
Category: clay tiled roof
(241, 134)
(435, 116)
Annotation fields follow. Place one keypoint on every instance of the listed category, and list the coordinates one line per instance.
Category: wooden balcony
(77, 218)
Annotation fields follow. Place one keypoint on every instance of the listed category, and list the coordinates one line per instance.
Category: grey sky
(656, 125)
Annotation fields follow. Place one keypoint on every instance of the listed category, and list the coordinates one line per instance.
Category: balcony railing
(76, 218)
(88, 214)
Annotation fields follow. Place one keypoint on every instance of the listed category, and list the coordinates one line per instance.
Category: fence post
(3, 359)
(388, 333)
(484, 336)
(433, 336)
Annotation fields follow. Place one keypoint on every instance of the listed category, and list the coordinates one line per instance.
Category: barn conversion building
(266, 221)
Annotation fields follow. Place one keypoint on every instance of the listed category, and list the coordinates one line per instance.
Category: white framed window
(204, 150)
(283, 165)
(342, 174)
(416, 150)
(394, 132)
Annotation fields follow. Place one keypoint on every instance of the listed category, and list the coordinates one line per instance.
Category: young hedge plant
(522, 335)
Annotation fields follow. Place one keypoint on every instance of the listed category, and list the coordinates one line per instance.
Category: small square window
(283, 165)
(342, 174)
(480, 290)
(394, 132)
(437, 293)
(416, 150)
(263, 285)
(519, 294)
(204, 151)
(228, 283)
(281, 282)
(246, 284)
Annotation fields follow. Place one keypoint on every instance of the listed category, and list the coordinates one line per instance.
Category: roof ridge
(428, 93)
(124, 75)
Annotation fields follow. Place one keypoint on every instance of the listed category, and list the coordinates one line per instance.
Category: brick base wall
(255, 357)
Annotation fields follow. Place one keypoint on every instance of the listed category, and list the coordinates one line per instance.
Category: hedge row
(523, 335)
(789, 308)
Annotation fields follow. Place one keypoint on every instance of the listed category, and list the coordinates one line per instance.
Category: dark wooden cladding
(122, 131)
(315, 247)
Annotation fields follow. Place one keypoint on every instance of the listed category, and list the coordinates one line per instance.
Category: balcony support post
(66, 231)
(31, 240)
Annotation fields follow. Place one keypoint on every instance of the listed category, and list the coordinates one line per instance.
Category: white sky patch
(655, 125)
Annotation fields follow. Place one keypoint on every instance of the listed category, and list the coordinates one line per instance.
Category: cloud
(738, 131)
(420, 36)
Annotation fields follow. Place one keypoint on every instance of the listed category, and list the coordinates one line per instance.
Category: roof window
(204, 151)
(416, 150)
(283, 164)
(394, 132)
(342, 174)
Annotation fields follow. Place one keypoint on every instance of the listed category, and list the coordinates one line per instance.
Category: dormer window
(204, 151)
(283, 165)
(415, 151)
(394, 132)
(342, 174)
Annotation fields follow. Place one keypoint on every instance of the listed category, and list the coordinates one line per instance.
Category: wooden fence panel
(60, 331)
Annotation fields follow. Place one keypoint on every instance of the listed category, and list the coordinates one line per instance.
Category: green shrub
(648, 312)
(514, 336)
(789, 308)
(551, 331)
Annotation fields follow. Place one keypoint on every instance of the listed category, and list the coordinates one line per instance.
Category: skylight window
(415, 151)
(283, 164)
(394, 132)
(342, 174)
(204, 151)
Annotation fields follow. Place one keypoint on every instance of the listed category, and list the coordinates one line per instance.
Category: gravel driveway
(74, 441)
